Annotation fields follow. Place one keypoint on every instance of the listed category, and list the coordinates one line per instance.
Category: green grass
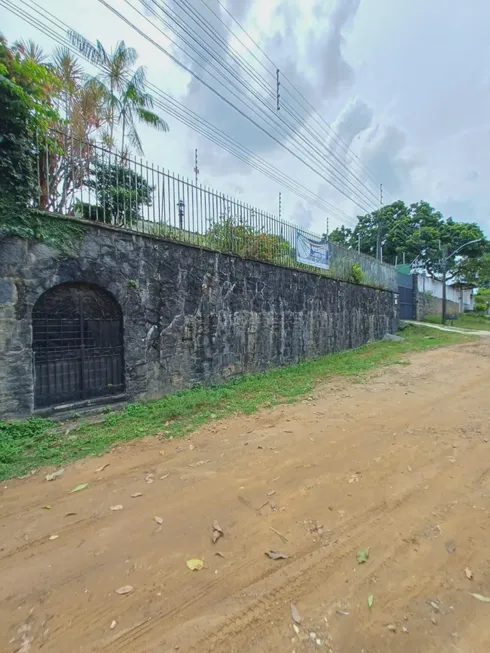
(33, 443)
(464, 321)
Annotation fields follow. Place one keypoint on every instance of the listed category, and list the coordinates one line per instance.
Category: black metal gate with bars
(77, 345)
(405, 296)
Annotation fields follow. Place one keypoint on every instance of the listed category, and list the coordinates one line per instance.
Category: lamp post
(445, 259)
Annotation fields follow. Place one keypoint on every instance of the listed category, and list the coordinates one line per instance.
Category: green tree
(417, 232)
(120, 194)
(26, 112)
(127, 100)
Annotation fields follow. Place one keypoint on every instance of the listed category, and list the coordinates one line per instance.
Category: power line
(201, 20)
(208, 30)
(186, 116)
(310, 108)
(318, 158)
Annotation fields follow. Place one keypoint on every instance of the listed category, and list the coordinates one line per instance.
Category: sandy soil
(400, 464)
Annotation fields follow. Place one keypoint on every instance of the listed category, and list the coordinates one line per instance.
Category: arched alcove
(77, 345)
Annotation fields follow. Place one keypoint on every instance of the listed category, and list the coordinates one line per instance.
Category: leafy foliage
(232, 235)
(120, 193)
(420, 233)
(482, 300)
(26, 110)
(357, 275)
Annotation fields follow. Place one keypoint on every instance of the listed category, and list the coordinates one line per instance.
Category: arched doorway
(77, 345)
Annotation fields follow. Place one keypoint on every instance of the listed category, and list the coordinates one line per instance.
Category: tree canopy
(419, 235)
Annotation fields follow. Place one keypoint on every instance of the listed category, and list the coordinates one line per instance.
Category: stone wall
(189, 315)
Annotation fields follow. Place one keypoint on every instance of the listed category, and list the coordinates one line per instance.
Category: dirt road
(400, 464)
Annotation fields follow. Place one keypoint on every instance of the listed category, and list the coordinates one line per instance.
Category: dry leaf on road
(113, 624)
(82, 486)
(295, 614)
(55, 475)
(125, 589)
(136, 494)
(276, 555)
(54, 537)
(469, 573)
(195, 564)
(158, 520)
(118, 507)
(102, 467)
(480, 597)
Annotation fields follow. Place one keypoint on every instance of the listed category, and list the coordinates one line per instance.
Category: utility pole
(445, 259)
(278, 85)
(280, 207)
(358, 243)
(328, 227)
(378, 234)
(196, 169)
(444, 269)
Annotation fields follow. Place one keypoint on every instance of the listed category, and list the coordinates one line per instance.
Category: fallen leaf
(216, 536)
(283, 537)
(450, 546)
(55, 475)
(70, 514)
(363, 556)
(118, 507)
(54, 537)
(125, 589)
(480, 597)
(46, 507)
(370, 601)
(341, 612)
(113, 624)
(192, 446)
(162, 452)
(162, 478)
(149, 478)
(295, 614)
(217, 527)
(79, 487)
(391, 627)
(218, 553)
(271, 493)
(102, 467)
(296, 629)
(195, 564)
(276, 555)
(469, 573)
(136, 494)
(158, 520)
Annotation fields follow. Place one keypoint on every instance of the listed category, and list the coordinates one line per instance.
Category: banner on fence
(312, 252)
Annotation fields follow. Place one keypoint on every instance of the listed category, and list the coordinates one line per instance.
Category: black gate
(77, 345)
(405, 296)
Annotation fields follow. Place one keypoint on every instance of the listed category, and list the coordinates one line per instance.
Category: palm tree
(127, 100)
(29, 50)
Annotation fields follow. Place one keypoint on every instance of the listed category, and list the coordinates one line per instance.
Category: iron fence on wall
(90, 182)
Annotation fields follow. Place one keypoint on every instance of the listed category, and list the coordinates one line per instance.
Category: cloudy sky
(405, 85)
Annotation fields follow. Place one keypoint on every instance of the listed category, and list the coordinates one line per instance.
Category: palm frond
(29, 50)
(135, 140)
(151, 119)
